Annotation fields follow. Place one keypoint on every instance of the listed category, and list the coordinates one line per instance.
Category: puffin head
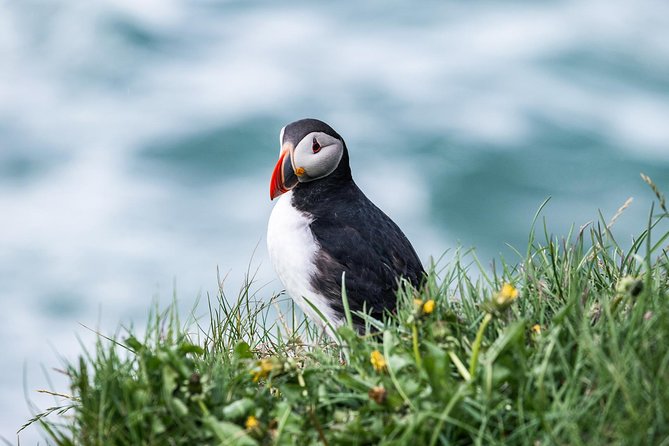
(310, 150)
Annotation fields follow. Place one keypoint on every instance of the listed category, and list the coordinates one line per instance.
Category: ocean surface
(137, 139)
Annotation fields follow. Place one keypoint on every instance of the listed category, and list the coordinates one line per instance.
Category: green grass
(580, 356)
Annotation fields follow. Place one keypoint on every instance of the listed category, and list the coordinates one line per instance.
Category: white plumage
(292, 250)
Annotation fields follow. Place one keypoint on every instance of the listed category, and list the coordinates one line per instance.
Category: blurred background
(137, 139)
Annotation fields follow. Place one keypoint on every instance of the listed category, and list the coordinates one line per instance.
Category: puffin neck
(307, 194)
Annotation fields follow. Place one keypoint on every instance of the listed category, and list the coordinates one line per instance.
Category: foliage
(569, 346)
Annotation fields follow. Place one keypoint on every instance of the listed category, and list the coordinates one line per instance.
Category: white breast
(292, 250)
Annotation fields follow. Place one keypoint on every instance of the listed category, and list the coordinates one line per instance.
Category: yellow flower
(262, 370)
(507, 294)
(428, 307)
(536, 328)
(378, 361)
(418, 303)
(251, 423)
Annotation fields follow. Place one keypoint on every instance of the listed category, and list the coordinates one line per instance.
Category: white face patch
(316, 164)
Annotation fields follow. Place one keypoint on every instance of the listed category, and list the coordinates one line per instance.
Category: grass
(568, 346)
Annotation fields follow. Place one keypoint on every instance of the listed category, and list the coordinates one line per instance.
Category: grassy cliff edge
(568, 346)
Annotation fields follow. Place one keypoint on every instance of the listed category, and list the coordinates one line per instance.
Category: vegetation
(569, 346)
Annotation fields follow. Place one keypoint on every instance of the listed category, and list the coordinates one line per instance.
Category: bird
(324, 233)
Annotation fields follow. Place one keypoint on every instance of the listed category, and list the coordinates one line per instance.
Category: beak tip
(277, 185)
(276, 190)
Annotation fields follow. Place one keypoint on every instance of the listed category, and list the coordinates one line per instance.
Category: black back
(355, 237)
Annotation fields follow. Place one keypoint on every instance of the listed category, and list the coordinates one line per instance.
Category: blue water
(137, 140)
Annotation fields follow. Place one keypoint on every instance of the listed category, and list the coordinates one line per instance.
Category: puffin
(324, 232)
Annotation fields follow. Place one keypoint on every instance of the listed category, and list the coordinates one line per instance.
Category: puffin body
(323, 226)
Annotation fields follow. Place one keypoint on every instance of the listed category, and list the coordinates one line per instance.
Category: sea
(137, 140)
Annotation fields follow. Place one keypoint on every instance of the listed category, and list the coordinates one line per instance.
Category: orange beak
(283, 176)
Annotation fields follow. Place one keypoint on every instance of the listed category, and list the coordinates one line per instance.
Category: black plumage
(354, 236)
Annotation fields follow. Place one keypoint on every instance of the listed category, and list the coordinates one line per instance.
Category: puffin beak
(283, 177)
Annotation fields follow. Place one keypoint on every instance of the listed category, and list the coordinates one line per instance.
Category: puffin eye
(315, 146)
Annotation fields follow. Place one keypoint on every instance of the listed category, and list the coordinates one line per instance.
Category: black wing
(357, 238)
